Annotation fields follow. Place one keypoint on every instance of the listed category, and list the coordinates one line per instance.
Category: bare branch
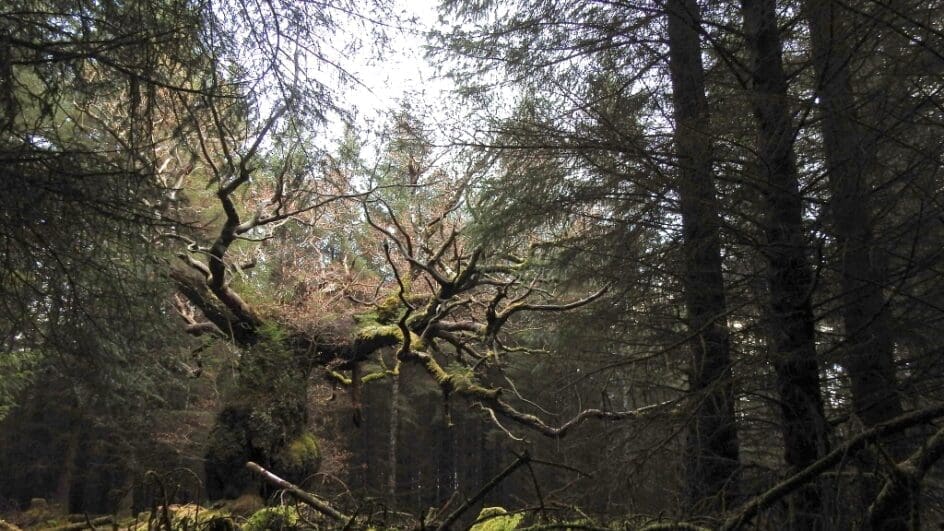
(854, 445)
(303, 496)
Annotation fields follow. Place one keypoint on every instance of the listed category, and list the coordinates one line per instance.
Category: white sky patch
(401, 73)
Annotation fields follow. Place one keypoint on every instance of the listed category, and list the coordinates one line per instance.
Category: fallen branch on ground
(301, 495)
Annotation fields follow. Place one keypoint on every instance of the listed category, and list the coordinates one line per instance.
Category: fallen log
(300, 494)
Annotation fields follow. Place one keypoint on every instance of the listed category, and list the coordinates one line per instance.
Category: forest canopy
(671, 264)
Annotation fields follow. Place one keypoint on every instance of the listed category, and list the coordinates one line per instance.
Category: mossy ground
(496, 519)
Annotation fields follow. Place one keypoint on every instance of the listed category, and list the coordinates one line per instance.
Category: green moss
(367, 378)
(366, 318)
(301, 456)
(189, 516)
(283, 518)
(381, 334)
(437, 372)
(340, 378)
(196, 517)
(272, 332)
(496, 519)
(389, 309)
(375, 331)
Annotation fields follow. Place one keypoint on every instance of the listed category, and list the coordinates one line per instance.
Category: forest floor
(243, 514)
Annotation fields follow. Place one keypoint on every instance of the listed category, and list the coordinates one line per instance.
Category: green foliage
(264, 420)
(283, 517)
(496, 519)
(17, 369)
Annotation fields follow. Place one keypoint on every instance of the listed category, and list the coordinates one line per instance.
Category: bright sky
(402, 72)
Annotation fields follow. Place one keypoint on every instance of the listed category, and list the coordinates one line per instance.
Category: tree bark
(868, 355)
(789, 275)
(712, 445)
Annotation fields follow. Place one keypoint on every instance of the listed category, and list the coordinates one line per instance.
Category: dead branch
(491, 398)
(455, 515)
(301, 495)
(904, 483)
(747, 511)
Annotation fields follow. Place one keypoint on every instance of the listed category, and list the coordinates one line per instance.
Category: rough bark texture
(789, 276)
(712, 445)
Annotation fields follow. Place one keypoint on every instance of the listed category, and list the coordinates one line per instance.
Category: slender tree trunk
(394, 428)
(446, 467)
(789, 276)
(712, 446)
(364, 446)
(868, 355)
(64, 483)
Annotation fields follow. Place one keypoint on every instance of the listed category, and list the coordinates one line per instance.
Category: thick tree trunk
(712, 446)
(789, 276)
(868, 349)
(868, 353)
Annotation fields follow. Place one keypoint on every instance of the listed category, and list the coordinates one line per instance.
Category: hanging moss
(496, 519)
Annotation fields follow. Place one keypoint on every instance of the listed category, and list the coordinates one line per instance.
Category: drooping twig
(301, 495)
(522, 460)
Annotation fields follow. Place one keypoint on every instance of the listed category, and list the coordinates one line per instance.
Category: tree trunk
(868, 353)
(63, 492)
(869, 348)
(394, 428)
(712, 445)
(789, 276)
(446, 467)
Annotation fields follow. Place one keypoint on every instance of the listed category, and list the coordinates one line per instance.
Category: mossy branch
(491, 397)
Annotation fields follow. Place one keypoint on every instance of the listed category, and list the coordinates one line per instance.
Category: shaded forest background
(659, 263)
